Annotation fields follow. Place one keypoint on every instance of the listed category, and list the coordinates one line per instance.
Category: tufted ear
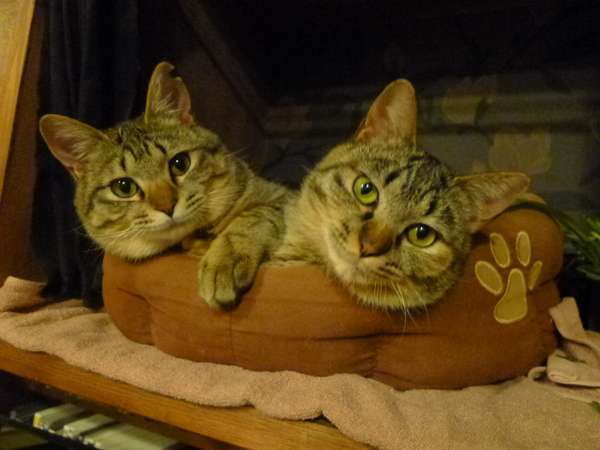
(488, 194)
(393, 114)
(167, 96)
(70, 141)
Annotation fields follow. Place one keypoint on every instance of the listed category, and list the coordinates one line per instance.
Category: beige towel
(563, 369)
(521, 413)
(577, 363)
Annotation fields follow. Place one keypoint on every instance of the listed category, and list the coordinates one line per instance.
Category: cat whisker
(117, 238)
(95, 249)
(117, 235)
(425, 310)
(403, 309)
(401, 295)
(237, 152)
(77, 228)
(423, 307)
(403, 301)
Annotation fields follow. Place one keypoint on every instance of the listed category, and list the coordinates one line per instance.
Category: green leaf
(583, 235)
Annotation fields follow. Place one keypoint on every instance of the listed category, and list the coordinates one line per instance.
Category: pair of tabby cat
(386, 219)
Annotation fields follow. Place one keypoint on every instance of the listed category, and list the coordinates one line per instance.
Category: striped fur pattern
(160, 180)
(367, 245)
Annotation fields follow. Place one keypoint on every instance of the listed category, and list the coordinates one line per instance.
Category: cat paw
(512, 304)
(224, 274)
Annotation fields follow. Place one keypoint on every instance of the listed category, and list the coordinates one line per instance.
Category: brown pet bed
(493, 325)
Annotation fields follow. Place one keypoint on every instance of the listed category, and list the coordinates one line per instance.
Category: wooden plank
(16, 254)
(244, 427)
(186, 437)
(15, 22)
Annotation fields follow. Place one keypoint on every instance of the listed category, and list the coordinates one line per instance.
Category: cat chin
(351, 268)
(386, 297)
(148, 243)
(371, 289)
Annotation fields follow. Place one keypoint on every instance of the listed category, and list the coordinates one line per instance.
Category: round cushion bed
(491, 326)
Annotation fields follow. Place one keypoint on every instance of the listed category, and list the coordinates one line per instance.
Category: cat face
(147, 188)
(391, 222)
(144, 185)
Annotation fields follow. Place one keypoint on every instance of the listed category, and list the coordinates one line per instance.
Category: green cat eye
(179, 164)
(124, 187)
(365, 191)
(421, 235)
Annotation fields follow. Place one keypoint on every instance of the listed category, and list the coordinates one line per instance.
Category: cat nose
(375, 239)
(163, 198)
(165, 205)
(167, 209)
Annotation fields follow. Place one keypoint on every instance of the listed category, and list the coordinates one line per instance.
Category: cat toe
(244, 272)
(216, 286)
(225, 275)
(206, 287)
(225, 291)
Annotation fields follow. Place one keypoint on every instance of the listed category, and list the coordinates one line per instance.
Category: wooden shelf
(15, 23)
(202, 426)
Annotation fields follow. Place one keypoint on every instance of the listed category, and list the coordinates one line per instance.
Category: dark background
(98, 56)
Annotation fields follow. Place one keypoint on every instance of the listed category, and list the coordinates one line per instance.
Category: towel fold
(563, 369)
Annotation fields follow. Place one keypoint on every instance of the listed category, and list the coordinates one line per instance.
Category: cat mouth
(389, 296)
(372, 275)
(354, 268)
(172, 223)
(159, 228)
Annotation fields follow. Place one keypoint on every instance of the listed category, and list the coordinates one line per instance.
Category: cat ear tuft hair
(393, 114)
(488, 194)
(69, 140)
(167, 96)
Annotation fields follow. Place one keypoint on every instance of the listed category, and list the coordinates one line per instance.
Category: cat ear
(393, 114)
(69, 140)
(488, 194)
(167, 96)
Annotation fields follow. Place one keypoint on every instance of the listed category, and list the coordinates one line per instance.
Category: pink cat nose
(167, 209)
(165, 204)
(375, 239)
(162, 197)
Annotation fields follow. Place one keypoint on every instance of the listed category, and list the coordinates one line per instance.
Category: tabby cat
(150, 183)
(388, 220)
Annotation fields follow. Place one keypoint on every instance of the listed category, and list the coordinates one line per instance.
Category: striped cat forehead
(415, 180)
(377, 153)
(384, 166)
(140, 141)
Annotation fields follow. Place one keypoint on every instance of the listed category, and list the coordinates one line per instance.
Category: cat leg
(228, 268)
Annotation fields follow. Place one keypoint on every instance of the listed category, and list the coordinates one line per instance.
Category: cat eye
(124, 187)
(365, 191)
(179, 164)
(421, 235)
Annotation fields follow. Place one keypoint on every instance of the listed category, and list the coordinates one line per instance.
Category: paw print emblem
(512, 305)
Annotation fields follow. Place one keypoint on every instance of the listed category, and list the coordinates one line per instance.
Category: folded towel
(563, 369)
(580, 344)
(577, 363)
(514, 414)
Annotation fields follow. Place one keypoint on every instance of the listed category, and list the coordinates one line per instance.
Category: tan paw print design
(522, 279)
